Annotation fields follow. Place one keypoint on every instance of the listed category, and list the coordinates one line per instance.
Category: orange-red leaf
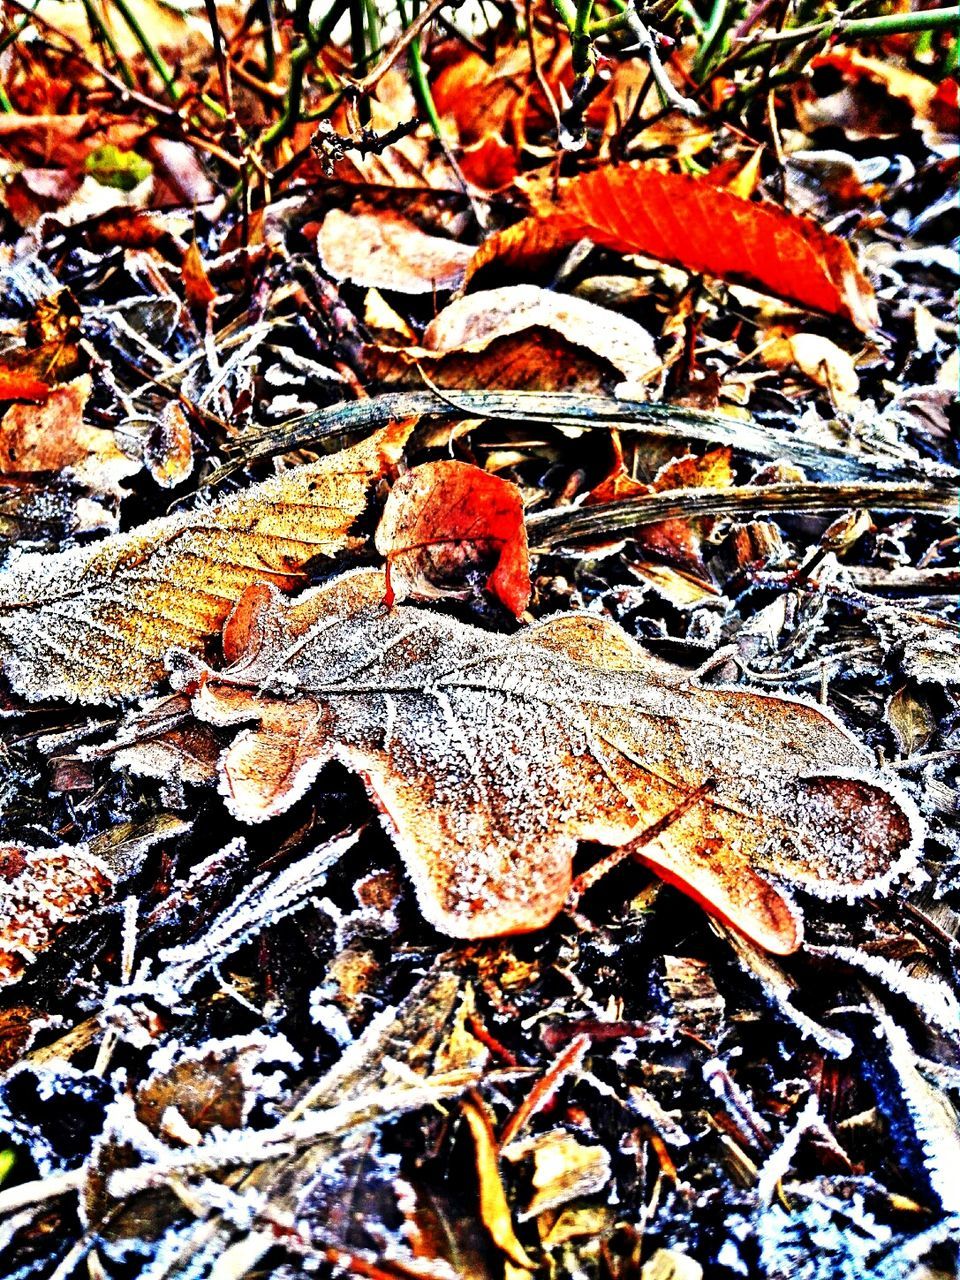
(446, 517)
(22, 386)
(196, 283)
(703, 228)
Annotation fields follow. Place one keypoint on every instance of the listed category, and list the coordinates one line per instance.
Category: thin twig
(402, 42)
(645, 45)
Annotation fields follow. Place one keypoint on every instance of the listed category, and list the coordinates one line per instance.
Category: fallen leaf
(42, 891)
(702, 228)
(21, 386)
(489, 165)
(196, 283)
(50, 352)
(521, 336)
(112, 166)
(866, 117)
(472, 323)
(386, 324)
(384, 250)
(53, 437)
(678, 541)
(213, 1085)
(491, 756)
(162, 740)
(92, 624)
(168, 451)
(820, 359)
(745, 180)
(564, 1169)
(494, 1209)
(445, 518)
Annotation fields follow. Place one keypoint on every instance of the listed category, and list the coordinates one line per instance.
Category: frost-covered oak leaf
(491, 756)
(93, 624)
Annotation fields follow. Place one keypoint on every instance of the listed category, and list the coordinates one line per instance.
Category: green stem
(101, 32)
(567, 13)
(418, 74)
(605, 26)
(712, 36)
(299, 59)
(891, 24)
(580, 39)
(149, 51)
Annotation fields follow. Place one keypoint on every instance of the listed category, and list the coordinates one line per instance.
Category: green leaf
(112, 167)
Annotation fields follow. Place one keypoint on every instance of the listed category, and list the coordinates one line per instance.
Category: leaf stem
(149, 50)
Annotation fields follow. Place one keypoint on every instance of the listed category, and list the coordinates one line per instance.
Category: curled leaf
(447, 517)
(494, 1209)
(523, 337)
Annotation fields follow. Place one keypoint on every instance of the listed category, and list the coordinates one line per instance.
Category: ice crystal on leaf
(491, 756)
(92, 624)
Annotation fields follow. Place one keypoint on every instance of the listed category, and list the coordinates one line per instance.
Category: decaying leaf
(927, 647)
(700, 227)
(169, 450)
(490, 756)
(41, 891)
(53, 437)
(494, 1209)
(386, 251)
(93, 624)
(865, 114)
(677, 541)
(445, 518)
(564, 1169)
(820, 359)
(471, 324)
(524, 337)
(196, 282)
(22, 386)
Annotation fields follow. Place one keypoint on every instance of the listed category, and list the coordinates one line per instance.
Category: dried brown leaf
(53, 437)
(93, 624)
(491, 756)
(494, 1209)
(196, 283)
(522, 336)
(384, 250)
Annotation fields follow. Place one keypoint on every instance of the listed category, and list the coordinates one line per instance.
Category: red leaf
(445, 517)
(697, 226)
(196, 283)
(22, 386)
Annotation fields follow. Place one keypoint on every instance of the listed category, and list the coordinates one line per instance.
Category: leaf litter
(237, 1047)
